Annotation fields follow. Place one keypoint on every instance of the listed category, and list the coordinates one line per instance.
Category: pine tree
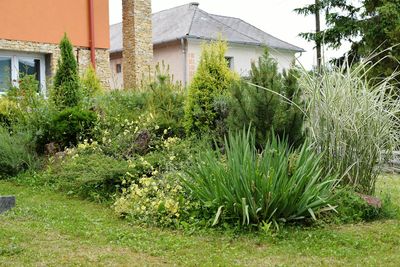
(265, 110)
(66, 91)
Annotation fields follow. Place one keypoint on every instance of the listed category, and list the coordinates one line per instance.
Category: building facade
(178, 35)
(29, 38)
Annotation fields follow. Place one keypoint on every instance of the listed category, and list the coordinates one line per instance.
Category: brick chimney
(137, 41)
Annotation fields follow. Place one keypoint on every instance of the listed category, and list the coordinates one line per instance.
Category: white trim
(15, 55)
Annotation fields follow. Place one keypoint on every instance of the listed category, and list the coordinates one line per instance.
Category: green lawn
(51, 229)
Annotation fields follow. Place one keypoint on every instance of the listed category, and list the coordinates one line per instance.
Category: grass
(49, 228)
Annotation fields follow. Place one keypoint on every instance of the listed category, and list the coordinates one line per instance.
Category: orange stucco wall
(46, 21)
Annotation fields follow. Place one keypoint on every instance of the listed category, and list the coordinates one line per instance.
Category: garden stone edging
(6, 203)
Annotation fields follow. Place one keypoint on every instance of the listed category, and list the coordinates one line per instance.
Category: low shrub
(87, 173)
(280, 184)
(351, 207)
(9, 112)
(156, 195)
(16, 152)
(71, 125)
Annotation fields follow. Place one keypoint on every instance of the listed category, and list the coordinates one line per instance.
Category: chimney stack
(137, 34)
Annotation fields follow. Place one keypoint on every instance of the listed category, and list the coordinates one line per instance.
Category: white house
(179, 32)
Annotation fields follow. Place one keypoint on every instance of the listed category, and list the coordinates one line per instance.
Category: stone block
(6, 203)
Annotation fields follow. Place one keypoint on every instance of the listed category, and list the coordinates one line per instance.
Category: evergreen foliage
(66, 92)
(212, 79)
(91, 84)
(371, 26)
(266, 110)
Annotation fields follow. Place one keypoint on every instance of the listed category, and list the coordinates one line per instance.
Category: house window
(119, 68)
(229, 61)
(15, 64)
(5, 73)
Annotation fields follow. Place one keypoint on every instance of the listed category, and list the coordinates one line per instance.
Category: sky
(275, 17)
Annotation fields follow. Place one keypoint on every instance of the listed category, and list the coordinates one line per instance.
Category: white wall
(173, 56)
(242, 55)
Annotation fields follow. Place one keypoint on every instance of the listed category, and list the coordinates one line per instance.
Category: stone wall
(137, 41)
(52, 53)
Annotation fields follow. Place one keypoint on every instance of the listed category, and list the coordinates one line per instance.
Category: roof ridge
(191, 22)
(211, 16)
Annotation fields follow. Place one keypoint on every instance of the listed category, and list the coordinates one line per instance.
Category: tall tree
(66, 92)
(371, 26)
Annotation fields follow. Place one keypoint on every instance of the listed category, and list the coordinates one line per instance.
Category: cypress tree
(66, 81)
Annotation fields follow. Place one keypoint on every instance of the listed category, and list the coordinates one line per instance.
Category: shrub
(351, 208)
(71, 125)
(156, 196)
(269, 106)
(87, 173)
(9, 112)
(16, 152)
(212, 79)
(91, 85)
(279, 184)
(165, 100)
(66, 91)
(352, 123)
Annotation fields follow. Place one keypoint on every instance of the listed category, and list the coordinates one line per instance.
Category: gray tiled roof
(189, 21)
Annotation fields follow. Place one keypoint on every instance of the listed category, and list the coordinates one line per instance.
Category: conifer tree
(66, 91)
(211, 81)
(265, 110)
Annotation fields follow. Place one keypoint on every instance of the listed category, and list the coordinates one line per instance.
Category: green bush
(67, 90)
(69, 126)
(16, 152)
(91, 85)
(212, 79)
(351, 208)
(352, 123)
(279, 184)
(9, 112)
(165, 100)
(87, 173)
(273, 105)
(156, 195)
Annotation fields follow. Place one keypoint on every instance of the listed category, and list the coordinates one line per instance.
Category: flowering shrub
(155, 200)
(155, 195)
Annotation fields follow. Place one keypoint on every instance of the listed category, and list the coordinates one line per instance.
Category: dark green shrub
(352, 208)
(16, 152)
(66, 91)
(280, 184)
(88, 175)
(212, 79)
(269, 107)
(71, 125)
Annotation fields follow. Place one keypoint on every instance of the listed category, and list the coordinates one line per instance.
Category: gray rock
(6, 203)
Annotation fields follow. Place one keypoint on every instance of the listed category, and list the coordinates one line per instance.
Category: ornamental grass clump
(278, 185)
(353, 123)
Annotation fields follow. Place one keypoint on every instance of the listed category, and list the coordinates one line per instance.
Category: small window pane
(5, 73)
(119, 68)
(30, 67)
